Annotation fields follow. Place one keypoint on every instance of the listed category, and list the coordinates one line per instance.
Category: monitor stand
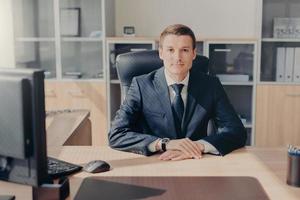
(60, 190)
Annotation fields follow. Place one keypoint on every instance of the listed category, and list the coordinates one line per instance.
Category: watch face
(165, 140)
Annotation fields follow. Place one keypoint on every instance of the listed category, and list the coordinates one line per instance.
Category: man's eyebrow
(184, 47)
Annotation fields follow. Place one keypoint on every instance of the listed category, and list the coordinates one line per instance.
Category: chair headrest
(138, 63)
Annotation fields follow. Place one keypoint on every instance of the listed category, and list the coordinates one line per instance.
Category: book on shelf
(285, 27)
(75, 75)
(137, 49)
(233, 77)
(47, 74)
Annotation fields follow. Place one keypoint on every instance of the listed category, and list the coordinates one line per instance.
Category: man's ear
(195, 53)
(160, 53)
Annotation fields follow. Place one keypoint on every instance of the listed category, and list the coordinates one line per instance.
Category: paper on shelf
(233, 77)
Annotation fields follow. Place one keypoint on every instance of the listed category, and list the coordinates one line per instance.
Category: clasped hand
(181, 149)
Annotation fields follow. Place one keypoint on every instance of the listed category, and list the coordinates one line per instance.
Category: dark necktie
(178, 108)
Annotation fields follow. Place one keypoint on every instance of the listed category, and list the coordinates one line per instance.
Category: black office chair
(138, 63)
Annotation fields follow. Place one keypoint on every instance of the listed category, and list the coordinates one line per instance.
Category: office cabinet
(114, 47)
(277, 100)
(278, 115)
(64, 38)
(67, 40)
(233, 62)
(280, 42)
(66, 96)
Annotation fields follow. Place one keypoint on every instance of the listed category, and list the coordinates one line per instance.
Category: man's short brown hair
(177, 29)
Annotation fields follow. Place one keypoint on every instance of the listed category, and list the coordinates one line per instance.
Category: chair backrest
(138, 63)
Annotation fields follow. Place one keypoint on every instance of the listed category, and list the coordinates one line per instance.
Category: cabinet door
(277, 115)
(81, 95)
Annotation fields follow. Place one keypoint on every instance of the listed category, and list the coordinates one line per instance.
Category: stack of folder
(288, 64)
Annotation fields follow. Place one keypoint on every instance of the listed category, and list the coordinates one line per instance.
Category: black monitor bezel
(36, 163)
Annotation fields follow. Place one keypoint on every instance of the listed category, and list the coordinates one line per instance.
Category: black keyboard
(58, 168)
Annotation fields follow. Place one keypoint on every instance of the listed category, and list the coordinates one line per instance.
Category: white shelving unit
(65, 38)
(236, 58)
(277, 110)
(114, 47)
(272, 9)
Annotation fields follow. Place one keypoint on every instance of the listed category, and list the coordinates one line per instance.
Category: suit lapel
(162, 91)
(194, 112)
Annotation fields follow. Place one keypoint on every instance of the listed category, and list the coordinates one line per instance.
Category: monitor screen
(23, 153)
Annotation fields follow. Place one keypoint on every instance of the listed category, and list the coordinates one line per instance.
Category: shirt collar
(170, 81)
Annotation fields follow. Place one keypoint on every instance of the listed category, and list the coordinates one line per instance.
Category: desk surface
(266, 165)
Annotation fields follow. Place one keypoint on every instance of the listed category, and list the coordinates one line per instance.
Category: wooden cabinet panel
(277, 115)
(52, 97)
(81, 95)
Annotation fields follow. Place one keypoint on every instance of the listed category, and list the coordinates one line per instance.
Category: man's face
(177, 54)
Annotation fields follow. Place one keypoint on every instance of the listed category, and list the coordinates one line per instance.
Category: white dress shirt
(208, 148)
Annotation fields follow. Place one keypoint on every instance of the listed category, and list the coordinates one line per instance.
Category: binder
(289, 64)
(296, 77)
(280, 64)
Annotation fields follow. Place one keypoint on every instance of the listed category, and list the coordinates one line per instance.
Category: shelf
(132, 39)
(99, 80)
(82, 39)
(231, 40)
(280, 39)
(238, 83)
(233, 63)
(277, 83)
(35, 39)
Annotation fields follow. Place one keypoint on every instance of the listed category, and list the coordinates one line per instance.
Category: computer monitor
(23, 153)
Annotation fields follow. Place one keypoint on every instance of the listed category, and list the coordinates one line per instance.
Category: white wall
(6, 35)
(208, 18)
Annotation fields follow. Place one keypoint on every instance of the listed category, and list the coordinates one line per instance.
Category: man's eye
(186, 50)
(170, 50)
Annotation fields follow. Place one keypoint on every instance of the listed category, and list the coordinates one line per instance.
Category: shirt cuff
(152, 146)
(209, 148)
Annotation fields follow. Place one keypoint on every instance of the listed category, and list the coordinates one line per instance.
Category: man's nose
(177, 55)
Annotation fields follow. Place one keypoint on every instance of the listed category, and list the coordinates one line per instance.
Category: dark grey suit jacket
(146, 115)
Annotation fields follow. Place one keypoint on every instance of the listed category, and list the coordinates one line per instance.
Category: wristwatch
(164, 143)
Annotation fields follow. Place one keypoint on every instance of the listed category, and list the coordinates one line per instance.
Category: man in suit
(168, 110)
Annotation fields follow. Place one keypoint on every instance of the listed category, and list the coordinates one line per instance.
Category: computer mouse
(96, 166)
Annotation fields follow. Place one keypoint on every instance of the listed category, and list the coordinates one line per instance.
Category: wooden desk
(267, 165)
(68, 128)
